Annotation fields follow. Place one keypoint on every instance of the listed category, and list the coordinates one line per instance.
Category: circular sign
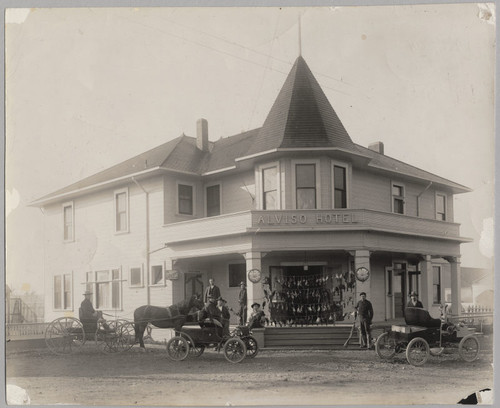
(362, 274)
(254, 275)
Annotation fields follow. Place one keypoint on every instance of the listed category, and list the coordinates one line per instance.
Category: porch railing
(25, 330)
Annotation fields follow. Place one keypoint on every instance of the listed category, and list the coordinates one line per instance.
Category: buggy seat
(415, 316)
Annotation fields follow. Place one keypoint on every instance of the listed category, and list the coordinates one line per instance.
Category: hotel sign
(304, 219)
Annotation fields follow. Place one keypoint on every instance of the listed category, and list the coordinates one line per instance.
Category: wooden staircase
(309, 337)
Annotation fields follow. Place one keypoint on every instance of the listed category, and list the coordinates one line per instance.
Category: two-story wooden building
(297, 210)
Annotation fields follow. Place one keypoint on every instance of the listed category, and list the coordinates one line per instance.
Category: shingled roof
(301, 117)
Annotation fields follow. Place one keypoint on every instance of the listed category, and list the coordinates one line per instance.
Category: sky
(87, 88)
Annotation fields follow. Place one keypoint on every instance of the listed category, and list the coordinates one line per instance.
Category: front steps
(309, 337)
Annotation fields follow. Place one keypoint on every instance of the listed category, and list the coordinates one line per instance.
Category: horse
(171, 317)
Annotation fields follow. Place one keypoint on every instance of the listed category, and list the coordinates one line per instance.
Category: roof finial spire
(300, 38)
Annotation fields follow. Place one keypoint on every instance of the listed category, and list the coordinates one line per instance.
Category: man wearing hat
(225, 315)
(242, 299)
(414, 302)
(210, 311)
(364, 310)
(257, 317)
(88, 313)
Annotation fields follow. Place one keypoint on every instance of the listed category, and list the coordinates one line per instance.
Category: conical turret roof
(301, 117)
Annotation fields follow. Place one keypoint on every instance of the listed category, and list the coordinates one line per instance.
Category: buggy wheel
(385, 346)
(235, 350)
(177, 348)
(417, 351)
(252, 346)
(468, 348)
(105, 336)
(64, 335)
(124, 336)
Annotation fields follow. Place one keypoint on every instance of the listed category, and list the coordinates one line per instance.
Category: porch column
(362, 259)
(427, 276)
(456, 285)
(255, 293)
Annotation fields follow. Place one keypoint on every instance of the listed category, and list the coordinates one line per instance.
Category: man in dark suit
(414, 302)
(242, 299)
(364, 309)
(211, 290)
(210, 311)
(225, 316)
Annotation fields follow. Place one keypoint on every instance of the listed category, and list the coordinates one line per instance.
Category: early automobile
(423, 336)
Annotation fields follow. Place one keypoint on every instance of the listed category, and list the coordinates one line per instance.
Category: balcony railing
(256, 221)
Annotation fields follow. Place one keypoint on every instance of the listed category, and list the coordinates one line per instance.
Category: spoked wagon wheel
(385, 346)
(468, 348)
(177, 348)
(252, 346)
(235, 350)
(194, 349)
(64, 335)
(124, 336)
(417, 351)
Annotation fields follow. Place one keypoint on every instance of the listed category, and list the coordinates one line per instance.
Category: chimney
(377, 147)
(202, 135)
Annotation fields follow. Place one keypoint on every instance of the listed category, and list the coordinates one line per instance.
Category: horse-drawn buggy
(68, 334)
(192, 339)
(423, 336)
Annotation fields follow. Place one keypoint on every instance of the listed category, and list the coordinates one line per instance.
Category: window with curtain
(68, 222)
(441, 207)
(398, 196)
(102, 295)
(270, 188)
(305, 179)
(340, 187)
(63, 292)
(157, 275)
(57, 292)
(121, 212)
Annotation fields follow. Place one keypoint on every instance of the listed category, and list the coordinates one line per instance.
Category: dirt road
(330, 377)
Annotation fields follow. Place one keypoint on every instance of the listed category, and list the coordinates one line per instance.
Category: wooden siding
(98, 247)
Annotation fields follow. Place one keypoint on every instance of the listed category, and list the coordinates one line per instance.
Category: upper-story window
(270, 188)
(68, 215)
(440, 206)
(305, 186)
(185, 195)
(340, 185)
(213, 200)
(398, 198)
(121, 210)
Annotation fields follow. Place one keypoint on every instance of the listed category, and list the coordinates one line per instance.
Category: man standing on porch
(365, 316)
(211, 291)
(242, 299)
